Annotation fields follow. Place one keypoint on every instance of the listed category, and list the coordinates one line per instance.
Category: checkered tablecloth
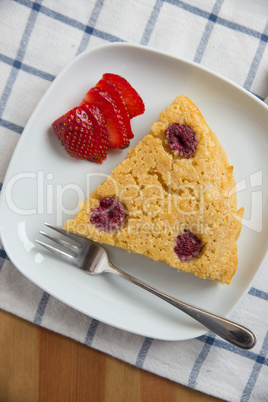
(38, 39)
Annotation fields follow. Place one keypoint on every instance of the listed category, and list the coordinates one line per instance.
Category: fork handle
(230, 331)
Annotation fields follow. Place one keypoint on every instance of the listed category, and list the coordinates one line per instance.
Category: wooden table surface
(39, 365)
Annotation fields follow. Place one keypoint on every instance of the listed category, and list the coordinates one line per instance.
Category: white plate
(44, 184)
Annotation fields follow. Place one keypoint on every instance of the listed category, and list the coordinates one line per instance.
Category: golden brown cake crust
(165, 194)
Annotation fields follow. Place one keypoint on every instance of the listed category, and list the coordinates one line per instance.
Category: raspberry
(188, 246)
(109, 215)
(181, 138)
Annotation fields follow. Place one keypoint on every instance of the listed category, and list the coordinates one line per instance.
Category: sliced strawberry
(117, 134)
(100, 130)
(77, 132)
(132, 99)
(119, 100)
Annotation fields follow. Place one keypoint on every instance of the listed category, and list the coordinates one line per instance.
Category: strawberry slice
(119, 100)
(77, 133)
(117, 134)
(132, 99)
(100, 130)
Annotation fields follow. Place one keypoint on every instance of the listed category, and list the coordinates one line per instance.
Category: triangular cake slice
(172, 199)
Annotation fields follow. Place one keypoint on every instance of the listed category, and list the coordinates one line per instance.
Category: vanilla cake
(172, 199)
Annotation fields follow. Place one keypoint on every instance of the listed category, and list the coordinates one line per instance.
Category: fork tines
(71, 247)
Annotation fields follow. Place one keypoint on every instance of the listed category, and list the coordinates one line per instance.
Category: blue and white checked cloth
(229, 37)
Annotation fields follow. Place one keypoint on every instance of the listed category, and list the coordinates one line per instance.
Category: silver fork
(93, 259)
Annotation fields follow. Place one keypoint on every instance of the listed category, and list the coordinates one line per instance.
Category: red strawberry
(132, 99)
(117, 134)
(100, 130)
(118, 98)
(76, 131)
